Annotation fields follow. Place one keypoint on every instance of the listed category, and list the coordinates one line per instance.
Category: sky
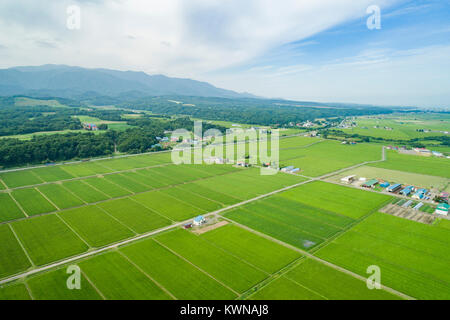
(311, 50)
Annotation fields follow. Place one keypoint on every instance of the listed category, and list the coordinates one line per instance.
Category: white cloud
(174, 37)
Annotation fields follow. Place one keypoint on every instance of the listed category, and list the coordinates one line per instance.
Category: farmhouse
(442, 209)
(385, 184)
(394, 187)
(348, 179)
(199, 221)
(407, 191)
(287, 169)
(370, 183)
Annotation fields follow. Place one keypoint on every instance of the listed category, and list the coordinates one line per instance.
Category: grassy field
(396, 176)
(413, 257)
(416, 164)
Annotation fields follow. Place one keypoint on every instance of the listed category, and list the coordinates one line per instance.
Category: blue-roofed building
(199, 220)
(385, 184)
(420, 194)
(407, 191)
(394, 187)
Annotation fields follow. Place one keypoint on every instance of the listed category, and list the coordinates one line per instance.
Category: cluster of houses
(417, 151)
(407, 191)
(90, 126)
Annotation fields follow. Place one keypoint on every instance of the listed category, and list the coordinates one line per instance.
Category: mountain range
(74, 82)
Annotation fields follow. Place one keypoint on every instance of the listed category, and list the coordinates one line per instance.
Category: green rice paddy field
(288, 245)
(432, 166)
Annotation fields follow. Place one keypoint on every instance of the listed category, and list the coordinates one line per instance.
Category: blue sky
(410, 51)
(316, 50)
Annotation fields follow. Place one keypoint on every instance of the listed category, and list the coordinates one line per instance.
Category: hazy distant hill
(71, 82)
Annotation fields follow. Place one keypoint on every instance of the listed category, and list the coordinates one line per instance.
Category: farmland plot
(20, 178)
(95, 226)
(13, 258)
(221, 265)
(415, 265)
(347, 201)
(53, 286)
(117, 278)
(32, 201)
(9, 209)
(178, 276)
(48, 239)
(193, 199)
(111, 189)
(167, 206)
(60, 196)
(126, 182)
(262, 253)
(134, 215)
(16, 291)
(84, 191)
(51, 174)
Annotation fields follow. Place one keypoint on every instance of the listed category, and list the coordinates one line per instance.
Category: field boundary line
(197, 267)
(19, 206)
(21, 245)
(93, 285)
(73, 230)
(4, 184)
(25, 283)
(46, 198)
(309, 255)
(147, 275)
